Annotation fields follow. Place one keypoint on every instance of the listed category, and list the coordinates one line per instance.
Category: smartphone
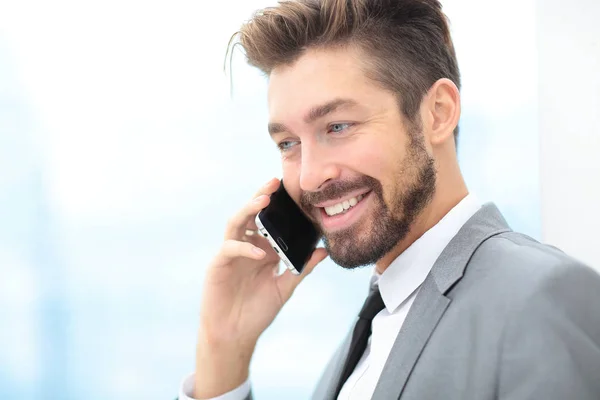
(289, 231)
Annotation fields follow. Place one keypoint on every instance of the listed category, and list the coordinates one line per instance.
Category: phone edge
(262, 230)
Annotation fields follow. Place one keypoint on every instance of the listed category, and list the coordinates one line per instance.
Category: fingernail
(258, 251)
(259, 198)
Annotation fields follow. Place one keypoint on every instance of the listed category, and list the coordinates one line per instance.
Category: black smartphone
(293, 236)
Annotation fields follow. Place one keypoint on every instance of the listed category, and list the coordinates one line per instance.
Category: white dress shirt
(398, 285)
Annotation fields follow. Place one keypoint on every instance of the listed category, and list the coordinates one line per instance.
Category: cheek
(291, 179)
(382, 161)
(377, 162)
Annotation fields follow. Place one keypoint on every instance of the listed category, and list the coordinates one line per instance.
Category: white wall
(569, 125)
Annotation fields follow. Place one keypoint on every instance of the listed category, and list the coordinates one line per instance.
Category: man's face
(352, 162)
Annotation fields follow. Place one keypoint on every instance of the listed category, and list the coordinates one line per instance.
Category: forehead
(317, 77)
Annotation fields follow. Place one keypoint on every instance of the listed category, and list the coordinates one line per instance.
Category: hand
(242, 295)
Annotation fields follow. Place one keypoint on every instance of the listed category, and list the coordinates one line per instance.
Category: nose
(317, 167)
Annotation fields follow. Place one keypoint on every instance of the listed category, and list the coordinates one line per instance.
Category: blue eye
(337, 128)
(286, 145)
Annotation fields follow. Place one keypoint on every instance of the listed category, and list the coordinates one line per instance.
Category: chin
(351, 248)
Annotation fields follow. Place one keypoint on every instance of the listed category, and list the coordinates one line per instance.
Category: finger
(317, 256)
(237, 225)
(267, 188)
(250, 232)
(251, 225)
(258, 240)
(288, 281)
(262, 242)
(235, 249)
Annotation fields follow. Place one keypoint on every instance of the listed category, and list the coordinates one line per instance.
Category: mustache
(337, 189)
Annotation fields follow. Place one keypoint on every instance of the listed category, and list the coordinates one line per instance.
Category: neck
(445, 199)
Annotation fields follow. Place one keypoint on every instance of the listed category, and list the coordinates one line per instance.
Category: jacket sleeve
(551, 345)
(242, 392)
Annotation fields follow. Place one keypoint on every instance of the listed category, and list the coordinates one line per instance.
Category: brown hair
(408, 42)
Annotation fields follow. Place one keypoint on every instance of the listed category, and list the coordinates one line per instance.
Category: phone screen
(293, 232)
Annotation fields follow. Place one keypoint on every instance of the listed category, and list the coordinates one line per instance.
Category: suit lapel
(426, 311)
(431, 301)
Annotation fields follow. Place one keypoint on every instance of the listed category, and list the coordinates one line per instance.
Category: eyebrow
(315, 113)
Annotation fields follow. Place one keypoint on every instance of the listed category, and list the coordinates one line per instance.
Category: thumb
(288, 281)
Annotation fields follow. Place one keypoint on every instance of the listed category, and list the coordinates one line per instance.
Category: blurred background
(124, 148)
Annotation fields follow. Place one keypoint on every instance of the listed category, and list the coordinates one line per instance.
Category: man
(364, 106)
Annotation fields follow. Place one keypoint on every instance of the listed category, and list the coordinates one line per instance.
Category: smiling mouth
(344, 206)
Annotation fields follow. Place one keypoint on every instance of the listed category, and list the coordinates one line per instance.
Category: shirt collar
(408, 271)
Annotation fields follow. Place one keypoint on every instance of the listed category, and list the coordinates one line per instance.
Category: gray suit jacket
(500, 316)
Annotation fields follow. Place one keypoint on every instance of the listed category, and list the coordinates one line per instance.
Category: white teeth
(343, 206)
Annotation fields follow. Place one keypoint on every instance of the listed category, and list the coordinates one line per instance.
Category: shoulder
(525, 264)
(545, 307)
(516, 274)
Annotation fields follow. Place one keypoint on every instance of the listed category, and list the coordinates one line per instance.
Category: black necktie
(360, 336)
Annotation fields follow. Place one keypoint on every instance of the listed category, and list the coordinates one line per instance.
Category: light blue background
(122, 154)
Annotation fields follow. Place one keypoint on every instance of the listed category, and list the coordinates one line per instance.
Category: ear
(442, 112)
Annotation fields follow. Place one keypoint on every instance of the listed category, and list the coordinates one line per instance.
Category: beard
(415, 186)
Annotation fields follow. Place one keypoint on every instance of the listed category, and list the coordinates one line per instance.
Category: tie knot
(372, 305)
